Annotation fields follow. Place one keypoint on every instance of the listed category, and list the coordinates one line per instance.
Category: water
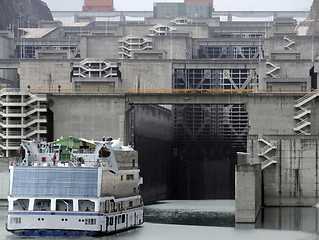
(189, 220)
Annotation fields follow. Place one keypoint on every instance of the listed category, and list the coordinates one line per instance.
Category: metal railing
(111, 90)
(268, 162)
(13, 111)
(303, 110)
(302, 122)
(310, 94)
(266, 148)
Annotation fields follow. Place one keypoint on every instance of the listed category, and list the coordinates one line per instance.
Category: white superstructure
(94, 192)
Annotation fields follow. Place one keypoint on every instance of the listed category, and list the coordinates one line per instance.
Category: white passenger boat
(74, 187)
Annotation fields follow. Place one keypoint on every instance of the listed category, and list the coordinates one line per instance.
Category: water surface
(211, 219)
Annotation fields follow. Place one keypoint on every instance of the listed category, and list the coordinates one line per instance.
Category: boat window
(111, 221)
(64, 205)
(16, 220)
(112, 205)
(123, 218)
(86, 205)
(119, 220)
(107, 207)
(115, 220)
(21, 204)
(102, 206)
(90, 221)
(107, 221)
(42, 205)
(130, 177)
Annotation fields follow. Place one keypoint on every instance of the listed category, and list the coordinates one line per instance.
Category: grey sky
(147, 5)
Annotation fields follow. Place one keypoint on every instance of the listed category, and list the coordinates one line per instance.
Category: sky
(147, 5)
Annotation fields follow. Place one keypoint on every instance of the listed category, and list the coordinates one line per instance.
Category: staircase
(289, 44)
(271, 71)
(302, 113)
(264, 153)
(268, 162)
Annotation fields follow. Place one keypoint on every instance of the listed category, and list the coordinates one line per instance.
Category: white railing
(302, 122)
(307, 96)
(266, 149)
(302, 132)
(268, 162)
(305, 110)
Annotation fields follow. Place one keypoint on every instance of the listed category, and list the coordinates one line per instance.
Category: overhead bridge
(197, 98)
(272, 111)
(180, 96)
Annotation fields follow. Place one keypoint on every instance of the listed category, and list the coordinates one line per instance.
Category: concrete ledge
(4, 203)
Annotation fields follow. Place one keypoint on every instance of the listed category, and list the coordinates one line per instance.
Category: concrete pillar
(122, 17)
(84, 47)
(127, 124)
(4, 184)
(248, 189)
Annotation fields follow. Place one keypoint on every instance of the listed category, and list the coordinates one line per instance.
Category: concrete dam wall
(293, 180)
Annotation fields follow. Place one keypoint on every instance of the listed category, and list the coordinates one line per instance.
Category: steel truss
(203, 130)
(229, 52)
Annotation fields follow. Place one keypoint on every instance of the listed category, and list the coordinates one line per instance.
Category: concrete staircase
(264, 153)
(302, 113)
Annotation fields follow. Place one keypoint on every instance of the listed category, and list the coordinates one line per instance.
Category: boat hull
(53, 233)
(29, 224)
(63, 233)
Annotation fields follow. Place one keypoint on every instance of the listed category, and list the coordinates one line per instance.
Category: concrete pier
(248, 193)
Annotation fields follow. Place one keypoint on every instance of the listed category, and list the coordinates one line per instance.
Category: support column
(248, 189)
(127, 128)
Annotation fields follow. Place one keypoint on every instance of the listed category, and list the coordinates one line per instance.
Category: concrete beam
(261, 14)
(200, 98)
(182, 98)
(9, 63)
(149, 14)
(185, 98)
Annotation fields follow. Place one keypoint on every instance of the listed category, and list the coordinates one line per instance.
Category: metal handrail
(302, 121)
(302, 110)
(111, 90)
(266, 140)
(16, 111)
(11, 133)
(307, 96)
(270, 160)
(264, 149)
(304, 132)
